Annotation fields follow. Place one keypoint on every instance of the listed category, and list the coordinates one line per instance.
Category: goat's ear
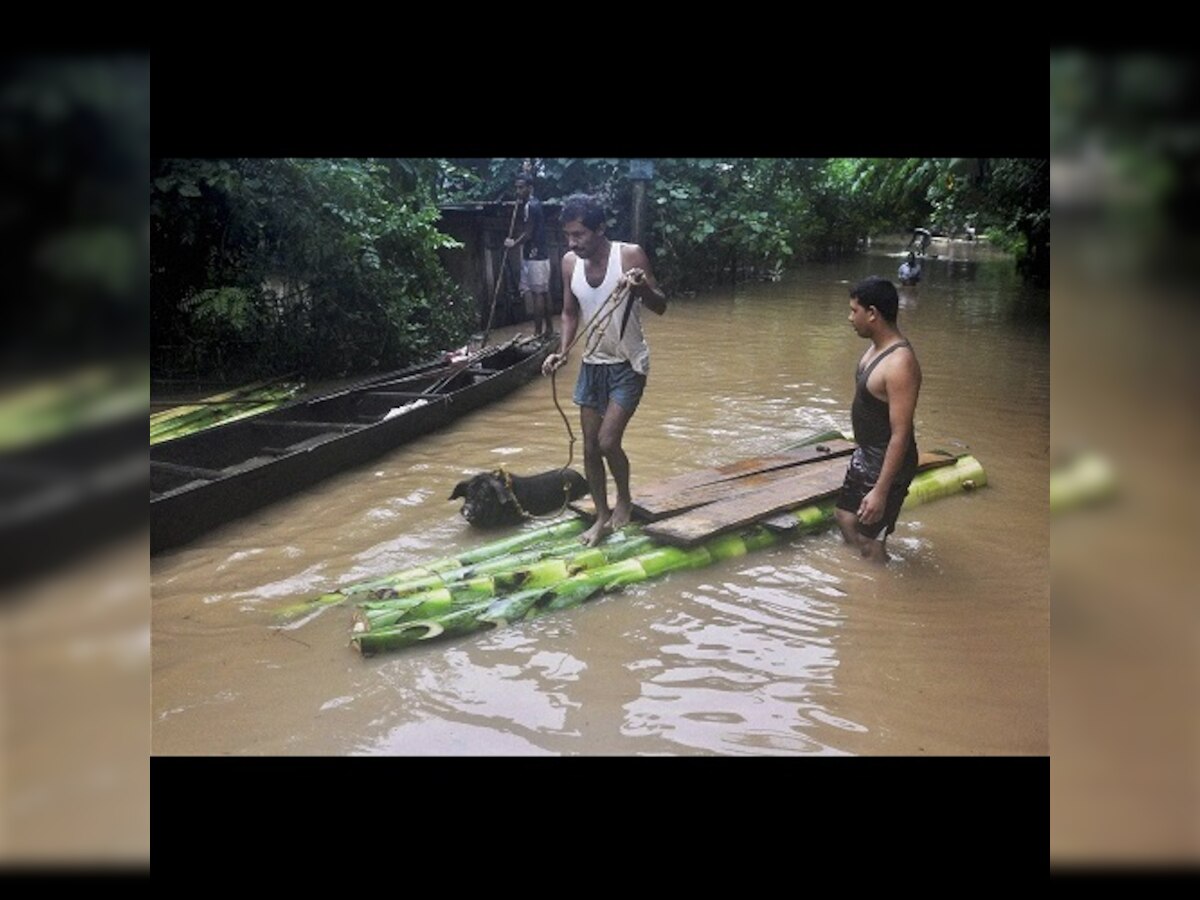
(460, 490)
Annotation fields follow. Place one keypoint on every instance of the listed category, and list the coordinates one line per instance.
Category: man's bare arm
(570, 317)
(634, 261)
(902, 382)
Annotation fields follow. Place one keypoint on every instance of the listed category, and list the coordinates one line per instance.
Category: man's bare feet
(874, 551)
(596, 533)
(621, 514)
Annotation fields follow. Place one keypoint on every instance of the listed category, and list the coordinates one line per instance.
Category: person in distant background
(535, 264)
(920, 238)
(910, 270)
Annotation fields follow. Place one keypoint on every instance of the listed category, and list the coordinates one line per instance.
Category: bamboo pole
(500, 274)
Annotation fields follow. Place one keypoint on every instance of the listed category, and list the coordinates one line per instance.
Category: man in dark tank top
(885, 401)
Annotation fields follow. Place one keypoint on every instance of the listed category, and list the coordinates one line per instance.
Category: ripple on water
(774, 742)
(435, 736)
(837, 721)
(239, 556)
(725, 718)
(302, 583)
(755, 656)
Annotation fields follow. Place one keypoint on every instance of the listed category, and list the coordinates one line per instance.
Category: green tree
(329, 264)
(1009, 198)
(723, 219)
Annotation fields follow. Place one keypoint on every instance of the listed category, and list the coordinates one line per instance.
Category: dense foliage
(74, 156)
(723, 219)
(331, 263)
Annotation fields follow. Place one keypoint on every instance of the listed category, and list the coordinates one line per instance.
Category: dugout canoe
(212, 477)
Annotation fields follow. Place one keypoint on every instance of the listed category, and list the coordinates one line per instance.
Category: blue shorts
(600, 383)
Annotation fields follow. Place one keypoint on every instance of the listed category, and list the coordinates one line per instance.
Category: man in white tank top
(617, 361)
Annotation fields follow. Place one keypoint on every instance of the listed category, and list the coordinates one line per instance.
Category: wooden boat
(211, 477)
(72, 464)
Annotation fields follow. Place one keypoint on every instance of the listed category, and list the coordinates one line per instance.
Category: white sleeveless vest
(611, 349)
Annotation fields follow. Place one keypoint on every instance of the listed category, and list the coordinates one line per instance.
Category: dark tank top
(872, 428)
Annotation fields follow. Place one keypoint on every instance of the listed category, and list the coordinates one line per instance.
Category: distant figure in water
(910, 271)
(920, 238)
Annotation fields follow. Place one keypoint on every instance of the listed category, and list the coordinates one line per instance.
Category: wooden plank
(202, 403)
(331, 427)
(651, 509)
(806, 485)
(932, 459)
(682, 492)
(430, 374)
(406, 395)
(745, 467)
(189, 471)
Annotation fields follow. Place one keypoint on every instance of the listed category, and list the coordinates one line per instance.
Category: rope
(571, 439)
(601, 316)
(503, 472)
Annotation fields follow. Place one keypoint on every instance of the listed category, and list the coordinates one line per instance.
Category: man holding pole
(535, 264)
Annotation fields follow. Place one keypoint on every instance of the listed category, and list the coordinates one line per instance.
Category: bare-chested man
(613, 375)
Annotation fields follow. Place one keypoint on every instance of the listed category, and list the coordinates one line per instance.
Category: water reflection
(747, 671)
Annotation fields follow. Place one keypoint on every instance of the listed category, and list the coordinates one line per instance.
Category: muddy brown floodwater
(799, 649)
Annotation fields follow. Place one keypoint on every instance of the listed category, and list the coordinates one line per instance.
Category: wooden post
(640, 171)
(490, 274)
(639, 210)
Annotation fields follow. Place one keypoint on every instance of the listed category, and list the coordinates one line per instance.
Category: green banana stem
(429, 575)
(463, 607)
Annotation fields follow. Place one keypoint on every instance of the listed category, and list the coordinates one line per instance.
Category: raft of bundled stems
(546, 569)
